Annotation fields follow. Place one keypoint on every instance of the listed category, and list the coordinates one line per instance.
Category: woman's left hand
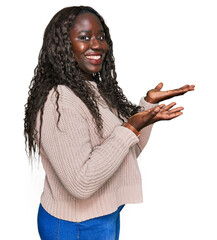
(156, 95)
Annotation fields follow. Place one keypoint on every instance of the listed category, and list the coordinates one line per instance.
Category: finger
(159, 86)
(169, 106)
(153, 112)
(174, 115)
(187, 88)
(161, 106)
(147, 118)
(183, 88)
(150, 109)
(178, 109)
(176, 92)
(191, 87)
(180, 91)
(187, 85)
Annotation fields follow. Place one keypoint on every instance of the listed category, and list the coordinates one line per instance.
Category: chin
(94, 70)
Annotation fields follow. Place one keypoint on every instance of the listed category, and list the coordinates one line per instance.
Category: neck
(87, 76)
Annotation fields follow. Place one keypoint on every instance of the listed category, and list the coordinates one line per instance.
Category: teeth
(93, 57)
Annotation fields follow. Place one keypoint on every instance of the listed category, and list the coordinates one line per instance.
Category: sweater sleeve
(81, 168)
(145, 132)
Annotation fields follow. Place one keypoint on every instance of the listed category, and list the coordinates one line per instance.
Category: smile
(93, 57)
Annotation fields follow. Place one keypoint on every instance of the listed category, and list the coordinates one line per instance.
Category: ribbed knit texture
(86, 176)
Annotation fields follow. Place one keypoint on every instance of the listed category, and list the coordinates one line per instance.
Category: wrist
(150, 100)
(131, 127)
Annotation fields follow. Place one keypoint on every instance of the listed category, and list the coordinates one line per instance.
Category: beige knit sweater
(86, 176)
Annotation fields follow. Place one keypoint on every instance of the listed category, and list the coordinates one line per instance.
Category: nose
(95, 43)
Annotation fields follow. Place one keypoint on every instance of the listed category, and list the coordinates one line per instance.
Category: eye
(101, 37)
(84, 38)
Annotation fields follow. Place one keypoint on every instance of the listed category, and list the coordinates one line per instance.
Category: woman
(88, 133)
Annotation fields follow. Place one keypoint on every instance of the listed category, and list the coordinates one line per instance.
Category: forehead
(87, 21)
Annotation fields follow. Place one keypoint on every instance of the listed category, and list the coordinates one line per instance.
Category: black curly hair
(56, 65)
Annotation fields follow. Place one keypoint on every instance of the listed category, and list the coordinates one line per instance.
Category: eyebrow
(100, 31)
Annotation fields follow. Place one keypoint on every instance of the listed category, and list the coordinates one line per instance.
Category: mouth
(94, 59)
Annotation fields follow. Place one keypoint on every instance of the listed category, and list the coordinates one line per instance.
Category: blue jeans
(105, 227)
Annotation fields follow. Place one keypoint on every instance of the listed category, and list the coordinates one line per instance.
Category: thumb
(152, 113)
(159, 86)
(155, 111)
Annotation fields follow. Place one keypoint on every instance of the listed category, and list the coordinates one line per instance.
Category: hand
(167, 113)
(156, 95)
(150, 116)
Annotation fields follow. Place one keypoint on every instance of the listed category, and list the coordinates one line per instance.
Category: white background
(170, 41)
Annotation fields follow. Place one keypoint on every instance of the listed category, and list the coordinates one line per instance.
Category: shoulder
(65, 96)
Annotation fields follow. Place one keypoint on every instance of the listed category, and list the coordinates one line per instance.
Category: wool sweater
(87, 176)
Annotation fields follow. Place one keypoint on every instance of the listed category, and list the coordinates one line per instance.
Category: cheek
(78, 50)
(105, 48)
(81, 47)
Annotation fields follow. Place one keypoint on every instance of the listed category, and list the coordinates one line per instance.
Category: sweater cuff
(147, 105)
(127, 135)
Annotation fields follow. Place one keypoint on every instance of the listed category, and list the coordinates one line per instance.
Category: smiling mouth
(94, 57)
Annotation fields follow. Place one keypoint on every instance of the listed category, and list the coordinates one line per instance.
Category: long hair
(56, 65)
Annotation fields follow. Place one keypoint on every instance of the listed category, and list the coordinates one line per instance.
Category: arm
(82, 169)
(145, 132)
(153, 97)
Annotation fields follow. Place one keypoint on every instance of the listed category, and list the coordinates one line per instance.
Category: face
(88, 43)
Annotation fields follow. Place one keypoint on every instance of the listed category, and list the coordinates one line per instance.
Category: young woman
(88, 133)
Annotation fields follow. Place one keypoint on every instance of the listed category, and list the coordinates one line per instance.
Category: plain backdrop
(158, 40)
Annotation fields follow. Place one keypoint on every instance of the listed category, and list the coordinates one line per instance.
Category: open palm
(150, 116)
(156, 95)
(167, 113)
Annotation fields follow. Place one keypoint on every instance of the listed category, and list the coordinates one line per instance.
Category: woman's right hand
(150, 116)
